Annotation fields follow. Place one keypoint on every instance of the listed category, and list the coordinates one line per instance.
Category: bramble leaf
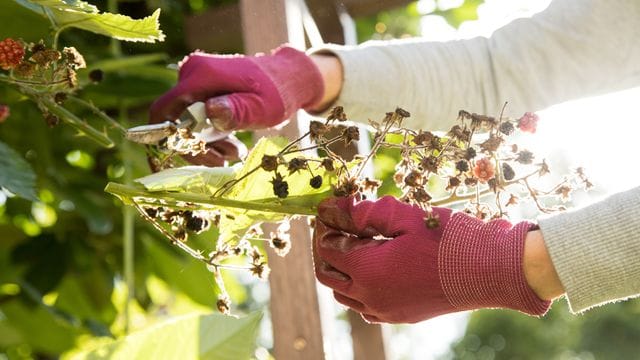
(82, 15)
(213, 336)
(16, 175)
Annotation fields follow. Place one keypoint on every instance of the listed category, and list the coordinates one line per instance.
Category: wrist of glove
(415, 273)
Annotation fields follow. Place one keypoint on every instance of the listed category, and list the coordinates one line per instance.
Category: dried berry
(528, 122)
(462, 166)
(51, 120)
(525, 157)
(296, 164)
(11, 53)
(280, 187)
(316, 182)
(470, 153)
(351, 133)
(96, 75)
(269, 162)
(60, 97)
(484, 169)
(5, 112)
(507, 172)
(403, 113)
(507, 128)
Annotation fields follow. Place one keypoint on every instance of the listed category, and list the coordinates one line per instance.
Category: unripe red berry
(11, 53)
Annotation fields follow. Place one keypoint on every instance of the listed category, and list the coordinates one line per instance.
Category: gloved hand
(243, 92)
(417, 273)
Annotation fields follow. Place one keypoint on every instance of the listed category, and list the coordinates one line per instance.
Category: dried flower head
(317, 130)
(525, 157)
(260, 270)
(280, 187)
(351, 133)
(224, 304)
(337, 113)
(74, 58)
(327, 164)
(507, 128)
(462, 166)
(269, 162)
(296, 164)
(25, 69)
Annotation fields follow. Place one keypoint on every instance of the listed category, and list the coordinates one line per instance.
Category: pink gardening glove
(243, 92)
(419, 273)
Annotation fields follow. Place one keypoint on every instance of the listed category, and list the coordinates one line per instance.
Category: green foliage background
(62, 287)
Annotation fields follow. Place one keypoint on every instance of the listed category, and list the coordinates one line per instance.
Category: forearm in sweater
(575, 48)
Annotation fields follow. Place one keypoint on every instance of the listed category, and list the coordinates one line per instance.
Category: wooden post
(295, 314)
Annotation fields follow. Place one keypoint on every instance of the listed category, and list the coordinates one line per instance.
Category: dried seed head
(507, 128)
(316, 182)
(454, 182)
(430, 163)
(507, 172)
(470, 181)
(351, 133)
(296, 164)
(317, 129)
(420, 195)
(462, 166)
(513, 200)
(470, 153)
(402, 112)
(337, 113)
(423, 138)
(96, 75)
(491, 144)
(460, 133)
(261, 270)
(565, 192)
(525, 157)
(51, 120)
(152, 212)
(181, 234)
(370, 184)
(224, 304)
(280, 245)
(346, 187)
(327, 164)
(544, 168)
(269, 162)
(71, 78)
(280, 187)
(413, 179)
(60, 97)
(39, 46)
(45, 57)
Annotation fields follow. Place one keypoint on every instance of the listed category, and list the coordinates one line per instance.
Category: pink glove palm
(243, 92)
(419, 273)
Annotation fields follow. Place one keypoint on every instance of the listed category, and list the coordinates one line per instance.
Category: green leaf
(16, 175)
(195, 179)
(82, 15)
(213, 336)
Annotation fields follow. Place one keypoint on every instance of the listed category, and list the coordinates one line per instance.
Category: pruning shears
(193, 118)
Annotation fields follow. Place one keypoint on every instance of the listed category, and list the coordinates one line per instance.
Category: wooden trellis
(264, 25)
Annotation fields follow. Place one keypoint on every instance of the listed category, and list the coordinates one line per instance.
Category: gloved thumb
(242, 111)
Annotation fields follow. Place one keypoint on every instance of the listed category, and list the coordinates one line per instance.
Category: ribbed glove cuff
(480, 266)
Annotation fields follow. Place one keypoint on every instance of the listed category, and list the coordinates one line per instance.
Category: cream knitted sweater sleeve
(572, 49)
